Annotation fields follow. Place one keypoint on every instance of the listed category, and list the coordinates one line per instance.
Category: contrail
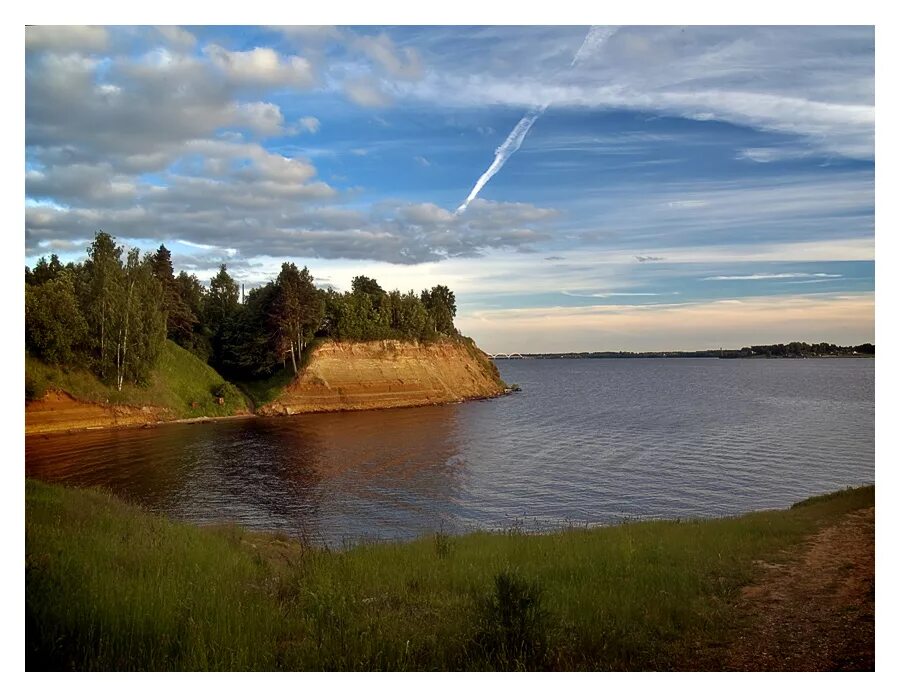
(512, 143)
(595, 37)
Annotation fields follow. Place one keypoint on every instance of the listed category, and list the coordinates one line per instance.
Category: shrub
(512, 626)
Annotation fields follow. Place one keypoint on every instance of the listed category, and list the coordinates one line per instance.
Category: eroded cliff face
(383, 374)
(58, 411)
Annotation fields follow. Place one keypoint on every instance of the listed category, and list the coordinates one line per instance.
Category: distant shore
(674, 354)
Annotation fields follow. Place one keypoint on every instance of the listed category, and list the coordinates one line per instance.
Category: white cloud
(310, 124)
(400, 63)
(772, 276)
(309, 34)
(426, 214)
(263, 117)
(66, 38)
(177, 36)
(366, 92)
(611, 294)
(815, 82)
(262, 67)
(687, 204)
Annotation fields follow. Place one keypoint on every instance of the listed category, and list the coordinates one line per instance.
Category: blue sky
(684, 187)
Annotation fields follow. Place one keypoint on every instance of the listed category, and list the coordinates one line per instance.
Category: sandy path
(816, 613)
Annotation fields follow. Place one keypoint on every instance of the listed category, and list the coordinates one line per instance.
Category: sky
(642, 188)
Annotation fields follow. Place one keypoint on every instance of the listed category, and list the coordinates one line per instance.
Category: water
(585, 442)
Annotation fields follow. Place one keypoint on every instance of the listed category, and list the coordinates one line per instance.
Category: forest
(113, 312)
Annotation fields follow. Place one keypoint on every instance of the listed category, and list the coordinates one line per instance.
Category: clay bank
(338, 376)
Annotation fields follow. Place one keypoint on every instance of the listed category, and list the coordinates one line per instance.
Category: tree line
(113, 312)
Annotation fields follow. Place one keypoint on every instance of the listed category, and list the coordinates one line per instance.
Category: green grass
(109, 586)
(179, 380)
(267, 389)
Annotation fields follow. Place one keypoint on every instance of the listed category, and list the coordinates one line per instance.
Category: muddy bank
(385, 374)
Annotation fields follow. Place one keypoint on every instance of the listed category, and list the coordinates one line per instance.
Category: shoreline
(793, 589)
(151, 422)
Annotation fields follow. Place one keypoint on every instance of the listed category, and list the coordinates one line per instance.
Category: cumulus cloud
(278, 215)
(65, 38)
(146, 108)
(262, 67)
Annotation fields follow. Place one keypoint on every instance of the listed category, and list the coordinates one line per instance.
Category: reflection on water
(586, 441)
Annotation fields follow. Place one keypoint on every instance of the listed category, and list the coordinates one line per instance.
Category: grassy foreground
(179, 380)
(111, 587)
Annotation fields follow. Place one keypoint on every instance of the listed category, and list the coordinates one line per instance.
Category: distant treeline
(795, 349)
(113, 312)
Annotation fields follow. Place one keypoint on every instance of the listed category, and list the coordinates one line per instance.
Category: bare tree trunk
(293, 360)
(121, 370)
(103, 338)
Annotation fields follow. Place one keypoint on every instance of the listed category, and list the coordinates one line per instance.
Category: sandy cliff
(58, 411)
(382, 374)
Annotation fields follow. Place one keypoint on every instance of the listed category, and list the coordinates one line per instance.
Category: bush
(512, 626)
(34, 387)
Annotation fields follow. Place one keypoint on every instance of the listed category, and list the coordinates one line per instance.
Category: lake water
(585, 442)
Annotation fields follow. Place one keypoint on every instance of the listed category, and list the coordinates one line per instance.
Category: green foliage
(35, 387)
(111, 587)
(440, 302)
(363, 285)
(191, 294)
(114, 311)
(178, 381)
(142, 322)
(512, 625)
(297, 311)
(54, 325)
(801, 349)
(178, 299)
(248, 343)
(263, 390)
(43, 271)
(220, 302)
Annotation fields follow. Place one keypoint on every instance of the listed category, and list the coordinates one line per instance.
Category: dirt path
(818, 612)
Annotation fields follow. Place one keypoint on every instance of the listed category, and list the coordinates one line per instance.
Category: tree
(367, 286)
(298, 310)
(139, 321)
(220, 308)
(192, 294)
(43, 271)
(180, 319)
(250, 345)
(104, 279)
(221, 300)
(441, 305)
(54, 324)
